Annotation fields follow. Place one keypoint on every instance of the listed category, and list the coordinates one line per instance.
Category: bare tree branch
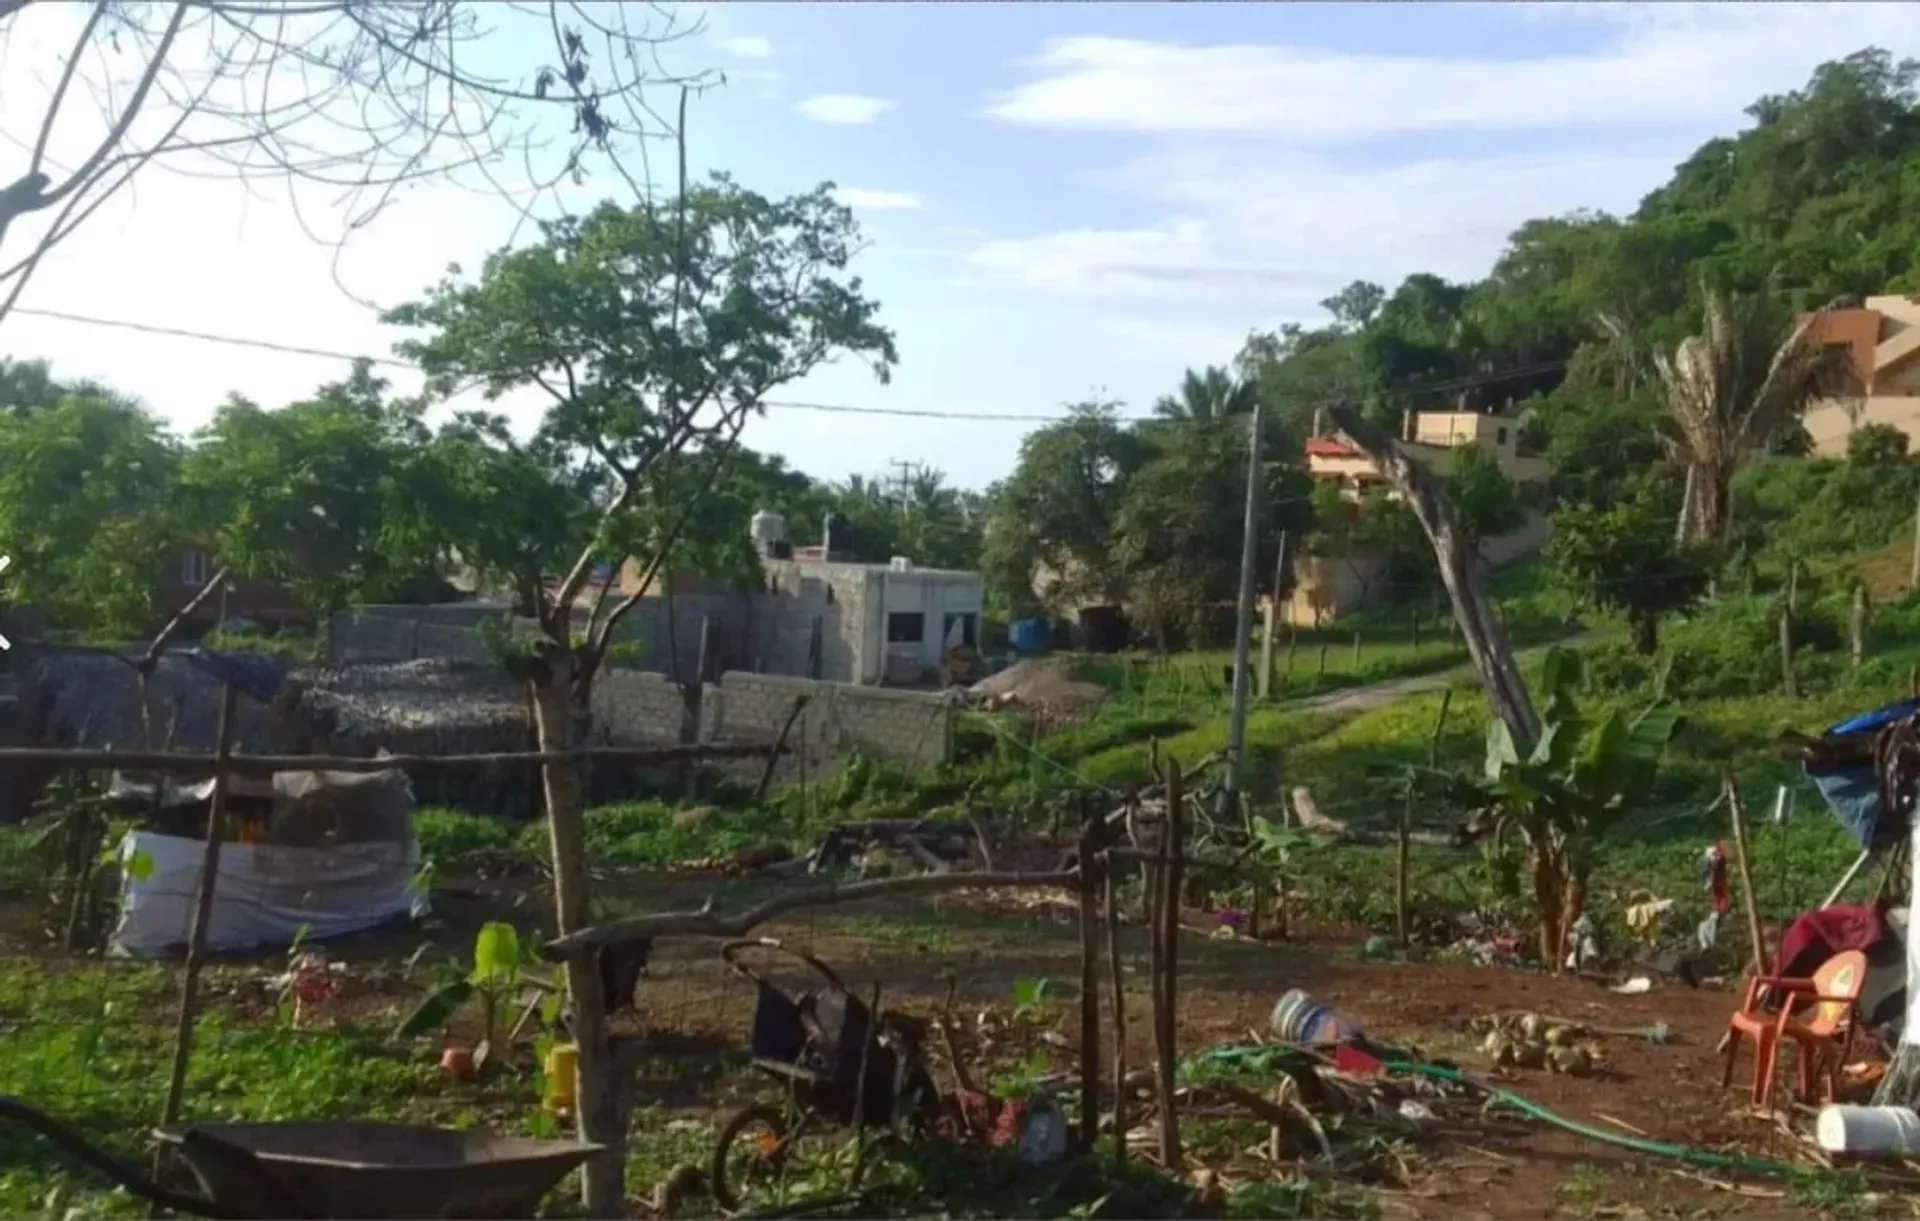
(361, 97)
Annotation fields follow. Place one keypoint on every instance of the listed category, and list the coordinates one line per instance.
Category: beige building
(1431, 439)
(1882, 341)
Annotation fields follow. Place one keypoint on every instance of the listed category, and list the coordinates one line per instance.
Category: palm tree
(1732, 389)
(1211, 395)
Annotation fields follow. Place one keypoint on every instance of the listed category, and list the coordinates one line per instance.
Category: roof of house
(1331, 447)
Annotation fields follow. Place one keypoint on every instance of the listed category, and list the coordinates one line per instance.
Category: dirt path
(1351, 701)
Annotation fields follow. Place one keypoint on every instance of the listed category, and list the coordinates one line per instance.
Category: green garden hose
(1654, 1148)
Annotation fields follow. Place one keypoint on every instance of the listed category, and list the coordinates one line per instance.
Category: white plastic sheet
(264, 894)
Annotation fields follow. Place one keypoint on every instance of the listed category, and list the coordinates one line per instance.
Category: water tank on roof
(902, 563)
(836, 538)
(768, 529)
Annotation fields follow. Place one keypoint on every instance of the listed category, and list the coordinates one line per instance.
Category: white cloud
(877, 200)
(1684, 64)
(1256, 197)
(1287, 229)
(845, 108)
(747, 46)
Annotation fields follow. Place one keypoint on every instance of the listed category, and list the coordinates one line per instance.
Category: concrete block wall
(636, 708)
(913, 728)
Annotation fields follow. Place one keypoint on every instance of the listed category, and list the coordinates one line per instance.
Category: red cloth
(1819, 935)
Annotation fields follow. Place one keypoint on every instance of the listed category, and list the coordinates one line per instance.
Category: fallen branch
(264, 765)
(1310, 819)
(707, 923)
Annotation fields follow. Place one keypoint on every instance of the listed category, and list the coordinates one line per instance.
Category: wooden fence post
(1092, 861)
(1857, 622)
(202, 912)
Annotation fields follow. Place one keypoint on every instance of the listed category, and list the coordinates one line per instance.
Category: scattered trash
(1529, 1040)
(1417, 1112)
(1647, 917)
(1043, 1134)
(1586, 947)
(1639, 985)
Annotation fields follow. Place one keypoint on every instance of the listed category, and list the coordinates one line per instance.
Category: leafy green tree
(1595, 442)
(1568, 790)
(1734, 388)
(1213, 394)
(87, 490)
(1876, 445)
(1485, 502)
(1178, 529)
(1052, 522)
(1354, 306)
(1627, 559)
(655, 331)
(322, 497)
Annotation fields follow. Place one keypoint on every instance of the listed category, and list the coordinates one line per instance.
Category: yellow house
(1881, 339)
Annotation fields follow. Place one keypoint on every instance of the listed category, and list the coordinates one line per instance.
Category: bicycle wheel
(753, 1146)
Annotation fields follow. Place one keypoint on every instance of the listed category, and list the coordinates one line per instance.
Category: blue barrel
(1029, 635)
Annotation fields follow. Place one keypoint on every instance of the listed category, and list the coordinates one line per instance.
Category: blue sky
(1062, 199)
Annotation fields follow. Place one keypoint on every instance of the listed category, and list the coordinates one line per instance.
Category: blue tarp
(1853, 793)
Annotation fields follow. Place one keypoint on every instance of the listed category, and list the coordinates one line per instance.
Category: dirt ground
(692, 1007)
(1666, 1092)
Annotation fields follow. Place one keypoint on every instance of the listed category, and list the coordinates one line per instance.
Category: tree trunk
(602, 1120)
(1460, 571)
(1549, 896)
(1708, 483)
(1646, 633)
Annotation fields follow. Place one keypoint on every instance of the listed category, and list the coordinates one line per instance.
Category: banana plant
(499, 976)
(1569, 790)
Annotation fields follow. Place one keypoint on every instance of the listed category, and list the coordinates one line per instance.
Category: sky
(1061, 201)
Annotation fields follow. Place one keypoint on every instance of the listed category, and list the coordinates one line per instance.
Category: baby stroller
(841, 1066)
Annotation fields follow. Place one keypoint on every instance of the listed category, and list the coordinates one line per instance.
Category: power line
(292, 349)
(1439, 386)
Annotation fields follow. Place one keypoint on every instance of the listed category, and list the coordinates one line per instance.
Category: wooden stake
(1356, 649)
(202, 913)
(779, 744)
(1118, 973)
(1166, 1013)
(1857, 623)
(1439, 726)
(1738, 813)
(1787, 682)
(1092, 832)
(1400, 897)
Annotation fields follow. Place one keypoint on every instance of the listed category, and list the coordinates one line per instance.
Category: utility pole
(1243, 630)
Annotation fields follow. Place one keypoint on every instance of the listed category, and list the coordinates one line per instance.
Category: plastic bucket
(1868, 1131)
(1299, 1018)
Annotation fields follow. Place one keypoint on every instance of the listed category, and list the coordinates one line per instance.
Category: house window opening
(906, 627)
(968, 625)
(196, 569)
(1500, 437)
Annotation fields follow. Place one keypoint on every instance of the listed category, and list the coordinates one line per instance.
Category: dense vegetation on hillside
(1572, 327)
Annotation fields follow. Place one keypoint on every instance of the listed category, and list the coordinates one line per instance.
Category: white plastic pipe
(1868, 1131)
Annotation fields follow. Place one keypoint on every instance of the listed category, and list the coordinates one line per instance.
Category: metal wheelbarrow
(348, 1170)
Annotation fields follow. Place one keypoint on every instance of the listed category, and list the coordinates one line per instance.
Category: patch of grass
(90, 1042)
(1584, 1188)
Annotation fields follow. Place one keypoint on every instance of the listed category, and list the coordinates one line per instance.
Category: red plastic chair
(1816, 1014)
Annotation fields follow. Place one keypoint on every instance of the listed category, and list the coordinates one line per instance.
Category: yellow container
(563, 1077)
